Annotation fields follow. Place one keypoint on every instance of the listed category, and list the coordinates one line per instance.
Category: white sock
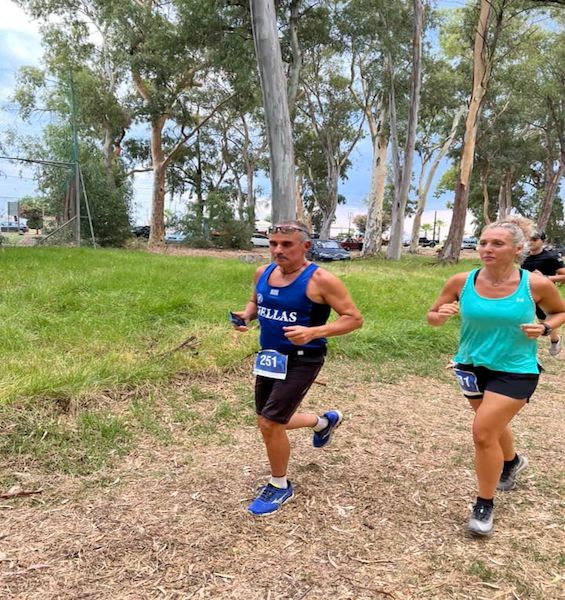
(279, 482)
(321, 424)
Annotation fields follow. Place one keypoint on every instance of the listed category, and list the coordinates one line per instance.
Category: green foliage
(220, 227)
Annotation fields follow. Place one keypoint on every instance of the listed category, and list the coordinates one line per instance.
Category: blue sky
(20, 45)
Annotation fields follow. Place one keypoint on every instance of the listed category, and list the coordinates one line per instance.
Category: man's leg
(277, 444)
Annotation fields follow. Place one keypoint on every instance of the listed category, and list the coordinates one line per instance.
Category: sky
(20, 45)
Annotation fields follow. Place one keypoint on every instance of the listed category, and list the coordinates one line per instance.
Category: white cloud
(14, 19)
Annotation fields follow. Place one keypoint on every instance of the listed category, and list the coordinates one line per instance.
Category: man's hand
(298, 335)
(241, 315)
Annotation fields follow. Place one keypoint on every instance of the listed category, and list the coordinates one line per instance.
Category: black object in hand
(237, 321)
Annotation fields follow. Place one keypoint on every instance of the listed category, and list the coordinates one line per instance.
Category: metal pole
(76, 161)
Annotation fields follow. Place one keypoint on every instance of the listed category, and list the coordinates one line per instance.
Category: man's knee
(269, 427)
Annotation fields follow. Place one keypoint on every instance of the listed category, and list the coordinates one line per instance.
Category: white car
(175, 238)
(260, 240)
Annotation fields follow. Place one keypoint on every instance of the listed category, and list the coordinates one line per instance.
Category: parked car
(13, 227)
(327, 250)
(141, 231)
(559, 249)
(469, 243)
(260, 240)
(427, 243)
(352, 244)
(175, 238)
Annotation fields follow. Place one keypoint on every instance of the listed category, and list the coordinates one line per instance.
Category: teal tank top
(490, 329)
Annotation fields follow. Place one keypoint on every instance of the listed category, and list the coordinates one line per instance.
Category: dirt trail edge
(380, 513)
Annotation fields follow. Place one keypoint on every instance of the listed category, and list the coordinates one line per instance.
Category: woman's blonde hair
(520, 228)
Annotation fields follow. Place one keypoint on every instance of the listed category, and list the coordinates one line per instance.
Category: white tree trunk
(277, 119)
(394, 249)
(424, 189)
(374, 231)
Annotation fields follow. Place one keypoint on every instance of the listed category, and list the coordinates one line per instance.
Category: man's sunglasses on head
(288, 229)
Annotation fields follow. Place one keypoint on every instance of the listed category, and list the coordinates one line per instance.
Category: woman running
(496, 362)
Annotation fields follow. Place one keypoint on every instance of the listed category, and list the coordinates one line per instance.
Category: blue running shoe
(270, 499)
(323, 438)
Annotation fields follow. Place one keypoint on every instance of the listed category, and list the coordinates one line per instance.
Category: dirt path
(379, 514)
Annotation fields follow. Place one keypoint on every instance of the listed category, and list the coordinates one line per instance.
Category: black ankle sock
(508, 464)
(485, 501)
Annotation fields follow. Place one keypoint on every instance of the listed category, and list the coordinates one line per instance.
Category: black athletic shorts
(519, 386)
(278, 399)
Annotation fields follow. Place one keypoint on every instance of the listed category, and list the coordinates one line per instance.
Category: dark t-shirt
(545, 262)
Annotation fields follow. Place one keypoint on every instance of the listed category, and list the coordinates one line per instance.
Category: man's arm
(559, 276)
(328, 289)
(249, 313)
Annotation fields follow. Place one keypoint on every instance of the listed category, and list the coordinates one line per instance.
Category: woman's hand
(449, 309)
(533, 330)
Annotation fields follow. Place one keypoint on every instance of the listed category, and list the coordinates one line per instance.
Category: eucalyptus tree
(402, 168)
(440, 114)
(334, 122)
(365, 27)
(275, 105)
(70, 51)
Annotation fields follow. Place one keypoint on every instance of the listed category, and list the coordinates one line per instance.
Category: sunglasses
(534, 239)
(288, 229)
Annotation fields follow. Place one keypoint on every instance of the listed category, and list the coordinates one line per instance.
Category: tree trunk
(329, 213)
(294, 75)
(424, 190)
(484, 187)
(108, 153)
(374, 231)
(158, 193)
(482, 65)
(277, 119)
(421, 205)
(299, 201)
(505, 195)
(551, 183)
(394, 249)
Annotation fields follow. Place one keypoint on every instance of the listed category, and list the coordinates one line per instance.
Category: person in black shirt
(549, 264)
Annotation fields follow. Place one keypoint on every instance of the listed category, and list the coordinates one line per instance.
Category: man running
(544, 262)
(292, 299)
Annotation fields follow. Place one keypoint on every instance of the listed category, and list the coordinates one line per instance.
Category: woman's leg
(506, 438)
(492, 438)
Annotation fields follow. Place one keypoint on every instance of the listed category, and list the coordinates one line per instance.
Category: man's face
(535, 245)
(288, 249)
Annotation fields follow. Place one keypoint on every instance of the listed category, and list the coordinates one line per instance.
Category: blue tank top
(279, 307)
(490, 329)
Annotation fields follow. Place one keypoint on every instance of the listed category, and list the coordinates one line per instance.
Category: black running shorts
(276, 399)
(519, 386)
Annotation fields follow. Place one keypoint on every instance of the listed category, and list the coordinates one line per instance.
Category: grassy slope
(79, 320)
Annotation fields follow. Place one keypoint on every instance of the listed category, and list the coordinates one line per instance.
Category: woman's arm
(447, 303)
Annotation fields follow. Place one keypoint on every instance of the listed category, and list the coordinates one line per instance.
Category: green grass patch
(75, 322)
(78, 320)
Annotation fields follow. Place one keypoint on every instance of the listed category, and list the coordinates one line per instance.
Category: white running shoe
(555, 347)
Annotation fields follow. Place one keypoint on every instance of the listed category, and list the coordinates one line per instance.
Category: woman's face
(496, 247)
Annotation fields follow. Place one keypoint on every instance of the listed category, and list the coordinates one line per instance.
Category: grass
(78, 325)
(76, 321)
